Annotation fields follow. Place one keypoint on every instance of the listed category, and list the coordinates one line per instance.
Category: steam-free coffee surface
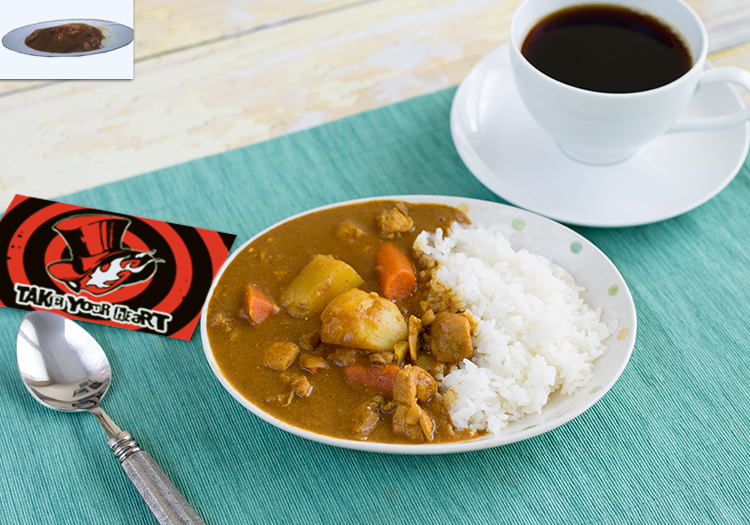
(607, 48)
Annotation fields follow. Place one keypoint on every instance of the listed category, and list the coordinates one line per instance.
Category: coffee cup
(598, 127)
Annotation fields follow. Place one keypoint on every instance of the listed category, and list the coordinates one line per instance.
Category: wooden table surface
(214, 76)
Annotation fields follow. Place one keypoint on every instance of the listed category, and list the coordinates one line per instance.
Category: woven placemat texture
(668, 444)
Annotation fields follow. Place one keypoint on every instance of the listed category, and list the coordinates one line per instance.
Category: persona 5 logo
(98, 262)
(108, 268)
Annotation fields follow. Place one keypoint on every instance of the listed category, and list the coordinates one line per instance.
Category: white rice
(534, 333)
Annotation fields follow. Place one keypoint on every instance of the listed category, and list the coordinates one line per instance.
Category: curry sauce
(326, 402)
(66, 38)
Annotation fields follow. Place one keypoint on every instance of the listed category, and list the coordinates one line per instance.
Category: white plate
(505, 149)
(115, 36)
(605, 289)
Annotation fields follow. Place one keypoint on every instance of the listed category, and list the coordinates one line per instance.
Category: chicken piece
(413, 422)
(309, 342)
(297, 385)
(349, 232)
(301, 385)
(362, 320)
(365, 416)
(343, 356)
(313, 363)
(220, 320)
(413, 384)
(393, 221)
(426, 384)
(381, 358)
(400, 422)
(226, 325)
(450, 338)
(279, 356)
(405, 387)
(415, 326)
(427, 425)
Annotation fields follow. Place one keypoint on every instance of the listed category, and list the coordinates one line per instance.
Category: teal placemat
(668, 444)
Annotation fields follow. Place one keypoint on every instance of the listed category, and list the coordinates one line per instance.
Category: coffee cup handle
(736, 75)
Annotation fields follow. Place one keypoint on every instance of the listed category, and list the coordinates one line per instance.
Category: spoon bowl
(65, 369)
(61, 365)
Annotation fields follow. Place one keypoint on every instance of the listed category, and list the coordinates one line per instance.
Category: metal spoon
(65, 369)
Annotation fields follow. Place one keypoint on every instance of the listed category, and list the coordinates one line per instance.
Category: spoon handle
(162, 497)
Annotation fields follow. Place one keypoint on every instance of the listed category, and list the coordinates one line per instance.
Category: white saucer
(115, 36)
(508, 152)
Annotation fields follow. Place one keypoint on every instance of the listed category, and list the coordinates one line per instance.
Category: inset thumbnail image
(68, 38)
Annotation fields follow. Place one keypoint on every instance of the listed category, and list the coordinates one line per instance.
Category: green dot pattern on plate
(518, 224)
(576, 247)
(595, 389)
(612, 291)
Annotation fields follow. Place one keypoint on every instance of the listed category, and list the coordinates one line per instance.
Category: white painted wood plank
(237, 91)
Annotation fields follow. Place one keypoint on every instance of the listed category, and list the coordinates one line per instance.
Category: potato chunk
(362, 320)
(279, 356)
(321, 280)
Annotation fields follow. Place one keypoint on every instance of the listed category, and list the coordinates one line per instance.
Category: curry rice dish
(66, 38)
(358, 334)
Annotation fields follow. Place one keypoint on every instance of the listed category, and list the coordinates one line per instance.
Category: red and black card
(107, 268)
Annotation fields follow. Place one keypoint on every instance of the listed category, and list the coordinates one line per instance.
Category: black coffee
(607, 48)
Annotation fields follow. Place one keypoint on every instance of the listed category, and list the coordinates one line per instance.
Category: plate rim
(481, 443)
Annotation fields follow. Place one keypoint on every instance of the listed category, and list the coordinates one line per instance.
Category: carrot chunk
(259, 305)
(395, 272)
(378, 379)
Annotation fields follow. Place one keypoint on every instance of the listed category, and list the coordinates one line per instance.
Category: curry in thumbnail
(66, 38)
(324, 322)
